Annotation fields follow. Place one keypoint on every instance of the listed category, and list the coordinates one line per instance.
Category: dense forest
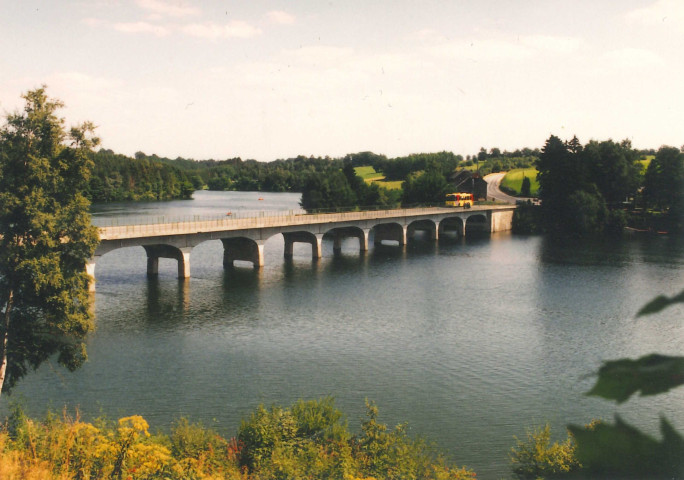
(603, 186)
(325, 182)
(118, 177)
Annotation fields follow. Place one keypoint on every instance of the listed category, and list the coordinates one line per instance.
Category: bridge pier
(180, 254)
(90, 270)
(158, 240)
(339, 234)
(363, 239)
(242, 248)
(314, 239)
(434, 233)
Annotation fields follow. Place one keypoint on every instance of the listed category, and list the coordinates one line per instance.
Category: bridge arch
(476, 224)
(338, 234)
(429, 226)
(243, 248)
(393, 232)
(153, 252)
(180, 254)
(452, 225)
(303, 236)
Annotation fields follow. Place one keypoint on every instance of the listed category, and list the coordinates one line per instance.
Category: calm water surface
(469, 341)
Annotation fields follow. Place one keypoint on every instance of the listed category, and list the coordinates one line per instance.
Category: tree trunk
(5, 336)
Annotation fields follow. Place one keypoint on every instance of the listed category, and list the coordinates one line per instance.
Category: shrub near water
(309, 440)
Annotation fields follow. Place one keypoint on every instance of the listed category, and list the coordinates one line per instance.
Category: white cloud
(161, 7)
(553, 44)
(319, 55)
(92, 22)
(234, 29)
(662, 12)
(142, 27)
(280, 18)
(158, 94)
(81, 81)
(486, 50)
(634, 58)
(84, 94)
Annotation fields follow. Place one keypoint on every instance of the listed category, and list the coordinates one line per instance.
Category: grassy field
(513, 179)
(390, 185)
(370, 175)
(646, 161)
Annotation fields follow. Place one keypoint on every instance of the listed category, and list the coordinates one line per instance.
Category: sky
(269, 79)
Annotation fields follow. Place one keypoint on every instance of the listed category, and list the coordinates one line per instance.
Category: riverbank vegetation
(308, 440)
(117, 178)
(601, 188)
(150, 177)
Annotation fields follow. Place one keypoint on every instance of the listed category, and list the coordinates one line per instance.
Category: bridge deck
(272, 219)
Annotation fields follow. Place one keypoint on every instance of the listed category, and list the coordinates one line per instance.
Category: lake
(471, 341)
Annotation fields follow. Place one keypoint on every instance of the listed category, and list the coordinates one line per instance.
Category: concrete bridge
(244, 238)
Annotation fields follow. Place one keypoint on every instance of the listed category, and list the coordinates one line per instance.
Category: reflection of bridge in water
(244, 238)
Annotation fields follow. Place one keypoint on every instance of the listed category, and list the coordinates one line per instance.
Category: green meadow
(369, 175)
(514, 178)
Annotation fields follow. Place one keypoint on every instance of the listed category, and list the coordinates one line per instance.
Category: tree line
(325, 182)
(116, 178)
(602, 186)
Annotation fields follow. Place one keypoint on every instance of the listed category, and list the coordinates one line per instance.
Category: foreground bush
(309, 440)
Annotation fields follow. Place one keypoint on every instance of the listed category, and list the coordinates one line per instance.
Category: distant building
(469, 182)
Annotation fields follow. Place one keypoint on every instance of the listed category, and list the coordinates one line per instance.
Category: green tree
(613, 168)
(536, 457)
(327, 191)
(429, 187)
(46, 238)
(525, 188)
(664, 185)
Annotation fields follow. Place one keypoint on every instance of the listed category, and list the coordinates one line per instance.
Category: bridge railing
(162, 225)
(106, 221)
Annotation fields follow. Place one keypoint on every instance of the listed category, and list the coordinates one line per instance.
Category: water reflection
(470, 340)
(163, 303)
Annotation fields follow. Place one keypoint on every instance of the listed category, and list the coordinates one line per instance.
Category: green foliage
(117, 178)
(652, 374)
(526, 219)
(525, 188)
(311, 440)
(344, 189)
(589, 212)
(368, 173)
(613, 168)
(622, 451)
(46, 238)
(392, 454)
(429, 187)
(582, 188)
(536, 457)
(659, 303)
(517, 180)
(664, 185)
(328, 191)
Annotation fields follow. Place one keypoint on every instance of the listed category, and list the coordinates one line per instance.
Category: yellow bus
(464, 200)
